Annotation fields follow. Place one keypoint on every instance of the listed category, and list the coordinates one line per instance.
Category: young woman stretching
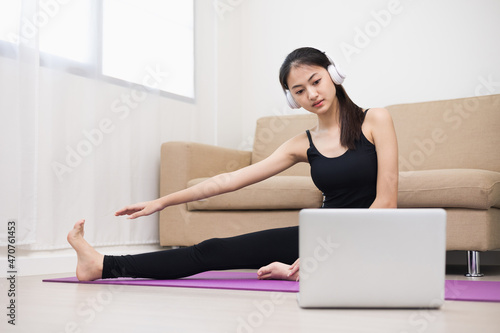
(354, 162)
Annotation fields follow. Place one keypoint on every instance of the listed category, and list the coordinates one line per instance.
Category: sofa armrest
(183, 161)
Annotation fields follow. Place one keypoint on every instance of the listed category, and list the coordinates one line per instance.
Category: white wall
(425, 50)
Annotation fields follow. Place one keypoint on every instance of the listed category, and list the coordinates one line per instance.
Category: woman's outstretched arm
(289, 153)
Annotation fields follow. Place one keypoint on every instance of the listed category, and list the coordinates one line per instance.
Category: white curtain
(73, 147)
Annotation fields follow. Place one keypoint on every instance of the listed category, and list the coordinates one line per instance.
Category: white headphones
(336, 74)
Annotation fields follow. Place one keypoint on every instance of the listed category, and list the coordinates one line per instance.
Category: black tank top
(349, 180)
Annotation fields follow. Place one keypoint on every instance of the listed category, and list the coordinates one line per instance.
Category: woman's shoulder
(298, 146)
(375, 118)
(377, 114)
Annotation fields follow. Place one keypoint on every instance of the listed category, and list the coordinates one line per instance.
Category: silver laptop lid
(372, 257)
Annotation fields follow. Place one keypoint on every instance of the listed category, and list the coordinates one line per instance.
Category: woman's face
(312, 88)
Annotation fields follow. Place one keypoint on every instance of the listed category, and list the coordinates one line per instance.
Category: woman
(353, 158)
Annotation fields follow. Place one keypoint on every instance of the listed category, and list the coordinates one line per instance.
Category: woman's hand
(140, 209)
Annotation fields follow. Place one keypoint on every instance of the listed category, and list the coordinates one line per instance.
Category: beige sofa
(449, 157)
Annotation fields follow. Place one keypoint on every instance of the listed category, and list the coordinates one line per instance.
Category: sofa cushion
(459, 188)
(448, 134)
(272, 131)
(280, 192)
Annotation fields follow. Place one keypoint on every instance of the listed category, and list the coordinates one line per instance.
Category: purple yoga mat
(457, 290)
(210, 280)
(467, 290)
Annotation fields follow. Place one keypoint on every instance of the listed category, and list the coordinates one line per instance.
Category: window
(121, 40)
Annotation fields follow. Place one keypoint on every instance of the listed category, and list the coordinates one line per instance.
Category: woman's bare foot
(276, 271)
(90, 261)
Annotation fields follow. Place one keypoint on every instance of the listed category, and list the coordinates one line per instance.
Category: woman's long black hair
(351, 115)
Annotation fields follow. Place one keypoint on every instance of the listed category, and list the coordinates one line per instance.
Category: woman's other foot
(277, 271)
(89, 266)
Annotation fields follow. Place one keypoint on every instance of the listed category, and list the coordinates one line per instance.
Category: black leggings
(249, 251)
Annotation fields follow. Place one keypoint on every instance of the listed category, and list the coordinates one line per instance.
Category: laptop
(372, 258)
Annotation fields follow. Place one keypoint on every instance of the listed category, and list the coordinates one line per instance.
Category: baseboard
(63, 261)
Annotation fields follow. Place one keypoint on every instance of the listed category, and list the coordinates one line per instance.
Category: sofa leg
(473, 264)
